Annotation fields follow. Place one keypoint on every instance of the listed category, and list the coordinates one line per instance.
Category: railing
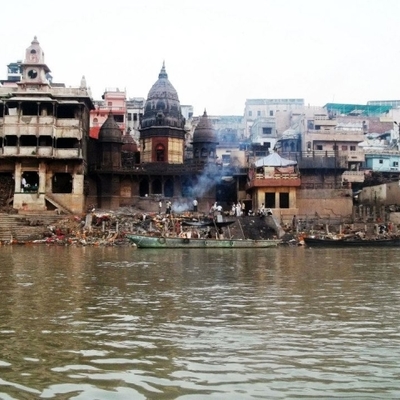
(164, 168)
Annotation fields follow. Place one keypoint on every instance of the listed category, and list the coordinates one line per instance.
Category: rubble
(109, 228)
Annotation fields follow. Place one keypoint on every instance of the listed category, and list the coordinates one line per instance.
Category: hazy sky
(218, 53)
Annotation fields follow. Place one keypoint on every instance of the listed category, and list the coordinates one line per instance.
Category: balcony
(276, 180)
(45, 151)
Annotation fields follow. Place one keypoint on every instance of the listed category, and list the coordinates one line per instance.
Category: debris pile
(109, 228)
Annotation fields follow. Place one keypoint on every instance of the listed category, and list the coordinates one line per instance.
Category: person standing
(168, 208)
(23, 183)
(294, 223)
(238, 209)
(195, 204)
(159, 207)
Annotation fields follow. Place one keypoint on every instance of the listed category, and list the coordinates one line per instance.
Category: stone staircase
(27, 226)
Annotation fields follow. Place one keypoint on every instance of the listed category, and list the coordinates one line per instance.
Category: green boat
(161, 242)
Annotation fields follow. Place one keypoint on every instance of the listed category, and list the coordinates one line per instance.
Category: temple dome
(162, 107)
(110, 131)
(129, 144)
(204, 131)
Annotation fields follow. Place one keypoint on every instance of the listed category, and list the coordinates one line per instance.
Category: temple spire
(163, 72)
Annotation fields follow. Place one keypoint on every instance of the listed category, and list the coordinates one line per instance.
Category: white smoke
(210, 177)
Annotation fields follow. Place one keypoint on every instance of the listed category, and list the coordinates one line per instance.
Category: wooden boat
(351, 241)
(161, 242)
(206, 223)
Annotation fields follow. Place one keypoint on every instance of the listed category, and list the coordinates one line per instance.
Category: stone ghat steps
(25, 227)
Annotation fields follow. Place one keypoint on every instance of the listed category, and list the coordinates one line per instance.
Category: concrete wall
(332, 202)
(385, 194)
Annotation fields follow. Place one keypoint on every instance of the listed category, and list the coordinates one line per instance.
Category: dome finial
(163, 72)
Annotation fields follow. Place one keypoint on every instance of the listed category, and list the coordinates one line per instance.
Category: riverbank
(109, 228)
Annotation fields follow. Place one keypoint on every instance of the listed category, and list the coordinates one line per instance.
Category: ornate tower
(204, 141)
(162, 133)
(110, 144)
(34, 69)
(109, 159)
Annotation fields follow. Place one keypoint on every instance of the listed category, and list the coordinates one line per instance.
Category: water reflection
(148, 324)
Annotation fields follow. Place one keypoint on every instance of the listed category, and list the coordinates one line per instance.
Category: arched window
(95, 122)
(160, 153)
(156, 187)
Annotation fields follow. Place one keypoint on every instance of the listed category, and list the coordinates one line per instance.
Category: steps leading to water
(27, 226)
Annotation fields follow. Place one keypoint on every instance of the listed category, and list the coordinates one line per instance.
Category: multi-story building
(134, 109)
(278, 109)
(44, 129)
(114, 101)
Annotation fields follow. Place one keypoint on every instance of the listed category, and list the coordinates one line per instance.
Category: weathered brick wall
(6, 189)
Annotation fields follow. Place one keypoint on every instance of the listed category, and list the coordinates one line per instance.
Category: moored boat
(161, 242)
(352, 241)
(207, 223)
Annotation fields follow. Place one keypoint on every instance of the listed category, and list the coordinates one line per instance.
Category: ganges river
(125, 323)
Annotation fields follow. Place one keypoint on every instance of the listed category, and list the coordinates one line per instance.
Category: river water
(120, 323)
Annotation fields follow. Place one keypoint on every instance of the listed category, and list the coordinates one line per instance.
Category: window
(258, 113)
(29, 108)
(271, 113)
(335, 147)
(160, 152)
(109, 104)
(62, 183)
(266, 130)
(226, 158)
(319, 147)
(28, 140)
(344, 148)
(380, 161)
(119, 118)
(395, 164)
(284, 200)
(269, 200)
(66, 111)
(45, 141)
(352, 148)
(250, 113)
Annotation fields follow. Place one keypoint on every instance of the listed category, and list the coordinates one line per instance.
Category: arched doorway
(144, 187)
(169, 188)
(156, 186)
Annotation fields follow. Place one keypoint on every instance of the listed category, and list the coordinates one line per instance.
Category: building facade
(44, 130)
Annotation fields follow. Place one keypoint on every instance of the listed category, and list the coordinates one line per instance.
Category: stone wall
(385, 194)
(6, 189)
(332, 202)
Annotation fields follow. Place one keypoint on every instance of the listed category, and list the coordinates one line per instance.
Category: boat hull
(320, 242)
(143, 241)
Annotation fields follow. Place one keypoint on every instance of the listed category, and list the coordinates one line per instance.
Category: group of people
(168, 207)
(216, 209)
(238, 209)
